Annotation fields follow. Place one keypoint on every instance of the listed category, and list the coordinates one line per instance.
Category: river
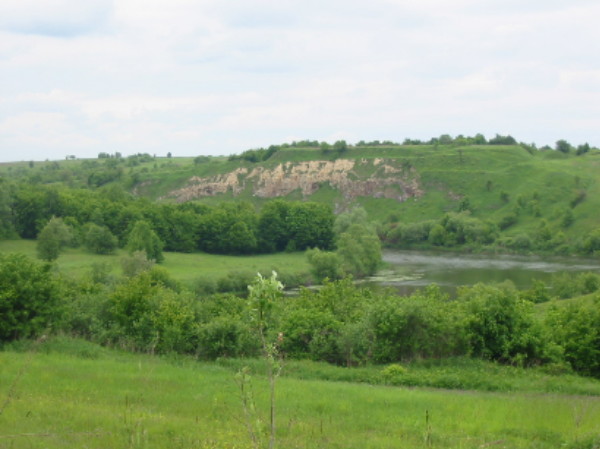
(408, 271)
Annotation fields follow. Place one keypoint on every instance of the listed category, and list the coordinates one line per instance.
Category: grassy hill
(509, 185)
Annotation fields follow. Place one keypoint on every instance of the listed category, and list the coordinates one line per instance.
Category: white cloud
(207, 76)
(54, 17)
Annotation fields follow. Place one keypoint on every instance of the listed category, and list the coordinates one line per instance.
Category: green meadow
(70, 393)
(185, 268)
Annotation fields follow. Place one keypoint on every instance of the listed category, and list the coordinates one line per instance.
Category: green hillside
(532, 199)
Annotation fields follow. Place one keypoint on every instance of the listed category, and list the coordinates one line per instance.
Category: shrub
(146, 316)
(143, 238)
(591, 243)
(29, 297)
(136, 263)
(508, 220)
(324, 264)
(310, 333)
(423, 325)
(500, 326)
(53, 238)
(226, 336)
(576, 328)
(99, 239)
(393, 374)
(235, 281)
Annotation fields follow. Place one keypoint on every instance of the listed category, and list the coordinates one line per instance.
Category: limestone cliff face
(377, 178)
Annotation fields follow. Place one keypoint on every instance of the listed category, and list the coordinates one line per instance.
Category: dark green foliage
(579, 198)
(324, 264)
(179, 227)
(520, 242)
(576, 328)
(310, 226)
(568, 218)
(30, 209)
(508, 220)
(563, 146)
(310, 334)
(273, 228)
(582, 149)
(591, 243)
(7, 228)
(228, 229)
(461, 228)
(538, 293)
(464, 205)
(226, 336)
(29, 297)
(99, 239)
(502, 140)
(148, 316)
(53, 238)
(258, 155)
(437, 235)
(143, 238)
(500, 325)
(404, 235)
(451, 230)
(105, 175)
(340, 146)
(423, 325)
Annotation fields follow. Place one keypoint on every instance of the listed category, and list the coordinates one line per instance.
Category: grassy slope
(448, 174)
(85, 396)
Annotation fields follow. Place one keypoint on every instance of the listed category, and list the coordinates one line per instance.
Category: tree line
(104, 219)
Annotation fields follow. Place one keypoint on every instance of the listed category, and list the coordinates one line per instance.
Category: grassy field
(74, 394)
(186, 268)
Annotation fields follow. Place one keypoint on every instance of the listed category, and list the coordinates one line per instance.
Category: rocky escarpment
(376, 178)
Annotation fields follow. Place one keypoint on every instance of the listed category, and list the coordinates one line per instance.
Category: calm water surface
(411, 270)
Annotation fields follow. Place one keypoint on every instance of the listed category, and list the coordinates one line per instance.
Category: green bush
(324, 264)
(29, 297)
(423, 325)
(226, 336)
(576, 329)
(146, 316)
(310, 334)
(500, 326)
(53, 238)
(235, 281)
(99, 239)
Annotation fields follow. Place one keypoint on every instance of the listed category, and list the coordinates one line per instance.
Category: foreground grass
(185, 268)
(459, 373)
(74, 394)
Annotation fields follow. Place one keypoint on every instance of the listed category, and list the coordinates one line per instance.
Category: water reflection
(410, 270)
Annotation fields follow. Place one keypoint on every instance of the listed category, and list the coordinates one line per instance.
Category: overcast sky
(212, 77)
